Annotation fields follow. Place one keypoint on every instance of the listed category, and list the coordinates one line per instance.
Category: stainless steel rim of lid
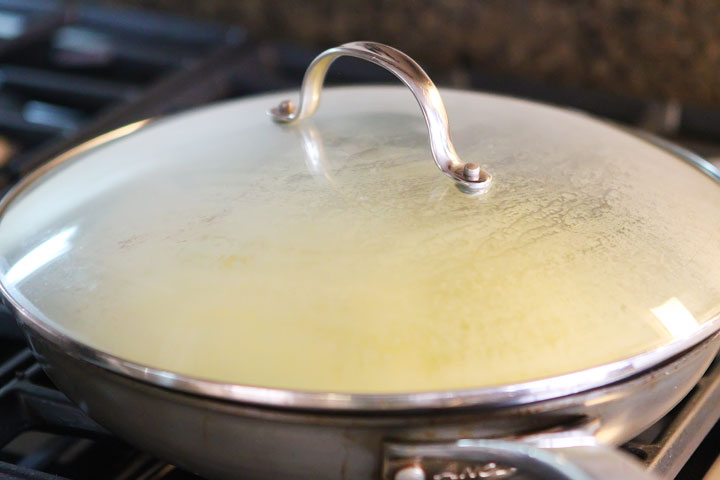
(492, 396)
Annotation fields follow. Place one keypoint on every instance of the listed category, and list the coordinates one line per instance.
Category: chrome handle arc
(507, 460)
(468, 175)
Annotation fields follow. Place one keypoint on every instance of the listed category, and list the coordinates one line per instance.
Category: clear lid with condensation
(333, 255)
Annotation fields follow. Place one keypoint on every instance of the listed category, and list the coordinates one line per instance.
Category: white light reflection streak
(676, 319)
(41, 255)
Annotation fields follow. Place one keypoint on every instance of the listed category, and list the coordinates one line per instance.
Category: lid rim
(488, 397)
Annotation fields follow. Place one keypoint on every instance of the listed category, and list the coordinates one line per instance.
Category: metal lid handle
(469, 175)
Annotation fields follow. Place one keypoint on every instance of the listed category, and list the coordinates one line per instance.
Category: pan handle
(502, 459)
(469, 175)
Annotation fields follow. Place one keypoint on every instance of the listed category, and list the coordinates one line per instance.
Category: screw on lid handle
(469, 175)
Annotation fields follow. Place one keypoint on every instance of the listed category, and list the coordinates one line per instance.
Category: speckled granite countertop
(660, 49)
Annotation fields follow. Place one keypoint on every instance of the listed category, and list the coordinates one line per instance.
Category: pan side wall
(227, 440)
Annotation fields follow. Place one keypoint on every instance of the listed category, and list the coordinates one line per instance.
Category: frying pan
(563, 426)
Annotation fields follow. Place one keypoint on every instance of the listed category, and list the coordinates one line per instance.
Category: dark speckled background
(653, 49)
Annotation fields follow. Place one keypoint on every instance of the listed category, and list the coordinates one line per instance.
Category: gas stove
(69, 73)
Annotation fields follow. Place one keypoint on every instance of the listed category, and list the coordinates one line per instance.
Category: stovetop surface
(69, 73)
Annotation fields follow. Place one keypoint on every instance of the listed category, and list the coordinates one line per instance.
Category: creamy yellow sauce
(376, 281)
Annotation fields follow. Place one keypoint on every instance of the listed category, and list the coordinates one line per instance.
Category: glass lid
(332, 255)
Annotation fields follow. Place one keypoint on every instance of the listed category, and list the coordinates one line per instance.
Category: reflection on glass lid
(334, 256)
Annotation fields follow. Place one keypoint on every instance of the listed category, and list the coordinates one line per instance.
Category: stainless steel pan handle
(501, 459)
(468, 175)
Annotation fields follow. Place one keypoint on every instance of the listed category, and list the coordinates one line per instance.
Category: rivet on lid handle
(470, 177)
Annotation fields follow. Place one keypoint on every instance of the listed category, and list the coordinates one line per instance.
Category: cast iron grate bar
(690, 423)
(158, 26)
(64, 84)
(26, 405)
(35, 34)
(15, 472)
